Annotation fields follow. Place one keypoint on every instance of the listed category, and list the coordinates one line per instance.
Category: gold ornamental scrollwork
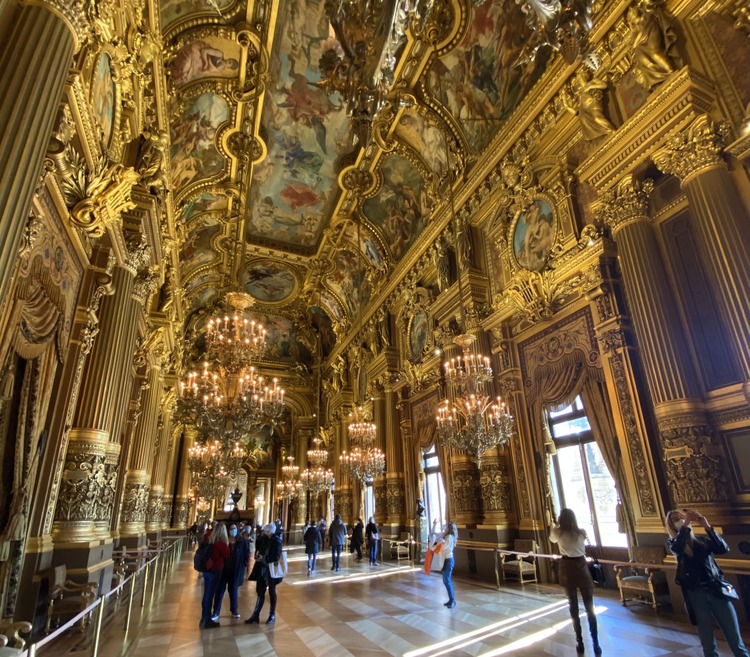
(97, 198)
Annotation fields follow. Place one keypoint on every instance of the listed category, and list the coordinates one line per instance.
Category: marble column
(695, 157)
(84, 504)
(672, 382)
(37, 56)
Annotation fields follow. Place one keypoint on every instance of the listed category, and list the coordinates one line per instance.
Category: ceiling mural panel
(401, 208)
(281, 338)
(349, 282)
(306, 131)
(324, 325)
(209, 57)
(174, 11)
(483, 80)
(204, 202)
(332, 306)
(369, 245)
(198, 249)
(269, 281)
(193, 152)
(420, 130)
(206, 296)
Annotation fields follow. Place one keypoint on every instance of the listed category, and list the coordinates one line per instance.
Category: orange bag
(431, 552)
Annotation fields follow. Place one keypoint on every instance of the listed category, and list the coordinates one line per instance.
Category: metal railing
(152, 568)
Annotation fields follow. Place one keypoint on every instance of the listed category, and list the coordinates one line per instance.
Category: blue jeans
(336, 555)
(448, 578)
(311, 558)
(226, 582)
(210, 584)
(373, 552)
(708, 607)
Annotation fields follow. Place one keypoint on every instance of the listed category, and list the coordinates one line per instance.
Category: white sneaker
(215, 618)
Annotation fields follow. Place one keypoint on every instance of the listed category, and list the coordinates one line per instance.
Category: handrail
(99, 603)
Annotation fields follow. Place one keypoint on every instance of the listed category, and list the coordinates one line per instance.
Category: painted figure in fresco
(538, 237)
(200, 60)
(653, 43)
(103, 96)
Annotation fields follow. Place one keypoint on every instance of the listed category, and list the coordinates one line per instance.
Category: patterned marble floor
(369, 611)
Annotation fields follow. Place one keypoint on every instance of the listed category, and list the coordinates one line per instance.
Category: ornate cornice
(694, 150)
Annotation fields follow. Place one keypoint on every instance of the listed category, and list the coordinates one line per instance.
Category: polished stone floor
(367, 611)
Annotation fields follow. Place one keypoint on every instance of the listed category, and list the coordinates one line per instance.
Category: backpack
(201, 557)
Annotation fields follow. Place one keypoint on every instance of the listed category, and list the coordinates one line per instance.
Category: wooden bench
(66, 597)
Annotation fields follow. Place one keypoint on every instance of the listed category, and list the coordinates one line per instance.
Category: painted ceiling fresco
(209, 57)
(421, 132)
(174, 11)
(269, 281)
(401, 208)
(348, 282)
(482, 80)
(193, 153)
(306, 133)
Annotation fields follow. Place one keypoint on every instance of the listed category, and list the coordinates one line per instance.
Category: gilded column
(182, 483)
(134, 510)
(156, 511)
(36, 58)
(465, 491)
(394, 460)
(685, 436)
(380, 484)
(87, 490)
(494, 482)
(695, 158)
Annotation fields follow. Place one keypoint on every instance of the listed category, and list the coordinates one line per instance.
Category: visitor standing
(337, 537)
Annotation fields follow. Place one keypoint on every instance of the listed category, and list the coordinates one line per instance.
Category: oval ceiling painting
(103, 97)
(269, 281)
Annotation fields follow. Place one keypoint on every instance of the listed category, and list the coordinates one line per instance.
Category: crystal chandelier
(228, 398)
(289, 486)
(214, 467)
(359, 57)
(471, 421)
(364, 461)
(317, 478)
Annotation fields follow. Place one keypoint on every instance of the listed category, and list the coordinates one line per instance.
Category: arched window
(580, 478)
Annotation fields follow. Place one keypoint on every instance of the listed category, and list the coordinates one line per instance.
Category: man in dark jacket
(313, 543)
(358, 538)
(337, 536)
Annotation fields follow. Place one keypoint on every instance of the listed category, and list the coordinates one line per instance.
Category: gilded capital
(624, 204)
(72, 13)
(692, 151)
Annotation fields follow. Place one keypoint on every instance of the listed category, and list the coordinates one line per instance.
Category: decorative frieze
(494, 482)
(135, 503)
(466, 491)
(395, 503)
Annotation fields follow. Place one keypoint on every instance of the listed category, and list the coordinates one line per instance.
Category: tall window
(434, 491)
(370, 502)
(580, 478)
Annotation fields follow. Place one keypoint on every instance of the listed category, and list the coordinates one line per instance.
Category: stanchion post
(98, 626)
(497, 569)
(130, 605)
(145, 585)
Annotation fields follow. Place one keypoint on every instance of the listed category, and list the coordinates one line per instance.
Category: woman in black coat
(268, 550)
(233, 575)
(372, 540)
(313, 543)
(358, 538)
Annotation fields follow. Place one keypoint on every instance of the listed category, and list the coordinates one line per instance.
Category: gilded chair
(67, 598)
(644, 583)
(400, 548)
(521, 567)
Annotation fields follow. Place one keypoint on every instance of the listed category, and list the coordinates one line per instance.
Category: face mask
(678, 524)
(233, 532)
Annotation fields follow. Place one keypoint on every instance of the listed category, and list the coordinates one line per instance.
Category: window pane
(574, 486)
(605, 497)
(564, 411)
(564, 428)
